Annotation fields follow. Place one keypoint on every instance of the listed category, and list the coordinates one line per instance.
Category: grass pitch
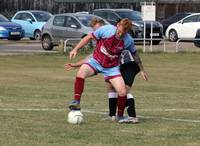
(168, 105)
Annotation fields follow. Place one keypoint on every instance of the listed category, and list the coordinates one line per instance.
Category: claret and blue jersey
(108, 47)
(106, 56)
(108, 31)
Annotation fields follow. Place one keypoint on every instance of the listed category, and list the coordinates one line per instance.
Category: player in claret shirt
(111, 41)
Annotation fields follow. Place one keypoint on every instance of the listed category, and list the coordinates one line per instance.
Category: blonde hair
(126, 23)
(96, 20)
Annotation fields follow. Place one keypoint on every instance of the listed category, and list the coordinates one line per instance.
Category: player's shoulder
(128, 40)
(128, 37)
(106, 31)
(109, 28)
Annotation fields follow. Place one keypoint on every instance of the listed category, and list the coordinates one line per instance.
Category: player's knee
(122, 92)
(82, 72)
(83, 76)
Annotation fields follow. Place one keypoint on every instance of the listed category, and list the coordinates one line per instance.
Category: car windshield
(85, 20)
(42, 16)
(3, 19)
(132, 15)
(178, 17)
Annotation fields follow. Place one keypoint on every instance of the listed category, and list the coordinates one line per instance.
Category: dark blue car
(10, 30)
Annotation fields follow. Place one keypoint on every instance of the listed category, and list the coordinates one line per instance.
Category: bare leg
(119, 85)
(84, 72)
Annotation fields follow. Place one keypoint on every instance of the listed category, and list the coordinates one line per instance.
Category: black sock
(112, 106)
(130, 103)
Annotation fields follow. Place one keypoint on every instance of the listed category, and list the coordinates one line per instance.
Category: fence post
(144, 42)
(177, 45)
(61, 46)
(164, 45)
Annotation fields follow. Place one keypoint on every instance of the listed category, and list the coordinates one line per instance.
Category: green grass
(40, 81)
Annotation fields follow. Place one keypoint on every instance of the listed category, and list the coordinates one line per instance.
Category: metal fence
(181, 45)
(69, 43)
(189, 40)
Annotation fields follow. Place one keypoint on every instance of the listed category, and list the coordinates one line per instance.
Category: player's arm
(69, 66)
(94, 35)
(81, 44)
(137, 59)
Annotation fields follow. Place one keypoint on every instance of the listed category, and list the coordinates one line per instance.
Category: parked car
(63, 26)
(186, 28)
(113, 15)
(172, 19)
(32, 22)
(197, 37)
(10, 30)
(82, 12)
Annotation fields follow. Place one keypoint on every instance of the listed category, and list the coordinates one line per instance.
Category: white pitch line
(172, 110)
(32, 109)
(170, 119)
(31, 51)
(149, 117)
(56, 109)
(97, 112)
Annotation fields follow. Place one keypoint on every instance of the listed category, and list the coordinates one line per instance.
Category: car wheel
(47, 43)
(173, 37)
(37, 35)
(197, 37)
(32, 38)
(14, 39)
(197, 44)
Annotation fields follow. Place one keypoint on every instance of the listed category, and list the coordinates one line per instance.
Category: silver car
(65, 26)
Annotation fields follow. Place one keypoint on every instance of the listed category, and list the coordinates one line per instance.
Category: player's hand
(72, 54)
(144, 75)
(69, 66)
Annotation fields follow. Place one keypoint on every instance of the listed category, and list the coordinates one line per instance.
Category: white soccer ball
(75, 117)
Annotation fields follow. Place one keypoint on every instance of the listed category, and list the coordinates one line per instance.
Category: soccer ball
(75, 117)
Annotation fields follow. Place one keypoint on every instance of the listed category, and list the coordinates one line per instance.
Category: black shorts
(129, 71)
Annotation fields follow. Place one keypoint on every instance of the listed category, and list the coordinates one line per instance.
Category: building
(164, 8)
(167, 8)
